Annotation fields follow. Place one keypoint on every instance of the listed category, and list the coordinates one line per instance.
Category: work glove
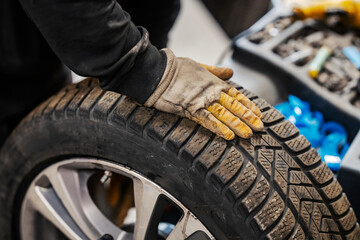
(190, 90)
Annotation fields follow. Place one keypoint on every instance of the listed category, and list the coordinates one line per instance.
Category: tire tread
(275, 177)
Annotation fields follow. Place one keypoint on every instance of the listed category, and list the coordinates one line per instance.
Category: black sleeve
(97, 38)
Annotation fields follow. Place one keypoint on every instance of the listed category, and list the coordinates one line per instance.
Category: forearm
(97, 38)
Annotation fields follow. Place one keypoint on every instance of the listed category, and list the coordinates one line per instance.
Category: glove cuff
(165, 81)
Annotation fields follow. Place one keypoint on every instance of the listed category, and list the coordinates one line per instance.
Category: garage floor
(197, 35)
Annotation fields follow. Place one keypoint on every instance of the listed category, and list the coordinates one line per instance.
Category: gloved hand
(189, 90)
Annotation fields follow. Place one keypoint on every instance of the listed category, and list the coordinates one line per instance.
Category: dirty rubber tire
(272, 186)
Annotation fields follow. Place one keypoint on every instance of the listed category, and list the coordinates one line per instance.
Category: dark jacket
(97, 38)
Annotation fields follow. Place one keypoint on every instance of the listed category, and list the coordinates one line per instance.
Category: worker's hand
(189, 90)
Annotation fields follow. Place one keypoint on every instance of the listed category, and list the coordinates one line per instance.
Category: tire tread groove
(279, 188)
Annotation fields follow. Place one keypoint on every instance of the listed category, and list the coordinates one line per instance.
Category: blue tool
(353, 54)
(334, 145)
(330, 139)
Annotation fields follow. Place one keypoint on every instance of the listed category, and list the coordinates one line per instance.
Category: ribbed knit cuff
(166, 79)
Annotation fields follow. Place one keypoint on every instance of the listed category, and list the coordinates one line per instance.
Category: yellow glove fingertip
(233, 92)
(225, 132)
(245, 101)
(246, 115)
(247, 135)
(210, 122)
(230, 120)
(226, 100)
(243, 131)
(258, 125)
(229, 136)
(226, 73)
(256, 110)
(216, 109)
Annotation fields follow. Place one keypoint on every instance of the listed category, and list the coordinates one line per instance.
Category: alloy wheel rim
(60, 194)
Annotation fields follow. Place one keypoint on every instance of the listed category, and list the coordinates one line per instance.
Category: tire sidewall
(41, 142)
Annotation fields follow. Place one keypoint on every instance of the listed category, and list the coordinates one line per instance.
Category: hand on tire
(196, 91)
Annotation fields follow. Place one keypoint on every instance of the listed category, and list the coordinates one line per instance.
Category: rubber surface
(272, 186)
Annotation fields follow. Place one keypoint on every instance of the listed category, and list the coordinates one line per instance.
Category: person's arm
(97, 38)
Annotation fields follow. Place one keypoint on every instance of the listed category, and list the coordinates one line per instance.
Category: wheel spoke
(146, 196)
(187, 225)
(46, 202)
(60, 194)
(71, 187)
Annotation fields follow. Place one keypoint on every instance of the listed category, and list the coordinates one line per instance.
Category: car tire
(272, 186)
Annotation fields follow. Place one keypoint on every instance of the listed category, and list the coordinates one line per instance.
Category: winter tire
(272, 186)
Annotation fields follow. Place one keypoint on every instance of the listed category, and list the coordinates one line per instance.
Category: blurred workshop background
(204, 28)
(308, 69)
(272, 55)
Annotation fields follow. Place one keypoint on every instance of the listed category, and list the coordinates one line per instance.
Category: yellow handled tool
(319, 9)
